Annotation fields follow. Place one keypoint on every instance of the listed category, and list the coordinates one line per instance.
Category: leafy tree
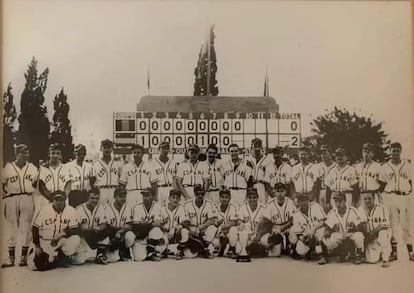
(61, 128)
(343, 128)
(9, 118)
(203, 77)
(34, 124)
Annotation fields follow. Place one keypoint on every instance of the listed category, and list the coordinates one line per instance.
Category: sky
(354, 55)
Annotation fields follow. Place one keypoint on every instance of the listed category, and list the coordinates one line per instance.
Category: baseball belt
(165, 185)
(398, 192)
(108, 186)
(188, 185)
(214, 189)
(237, 188)
(139, 189)
(14, 194)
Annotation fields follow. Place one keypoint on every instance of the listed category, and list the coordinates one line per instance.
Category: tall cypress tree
(61, 128)
(203, 76)
(34, 124)
(9, 118)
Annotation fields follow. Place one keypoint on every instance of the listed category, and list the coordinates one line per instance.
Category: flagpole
(208, 64)
(148, 82)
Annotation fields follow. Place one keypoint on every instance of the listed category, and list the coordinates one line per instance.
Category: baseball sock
(24, 250)
(393, 248)
(410, 248)
(12, 251)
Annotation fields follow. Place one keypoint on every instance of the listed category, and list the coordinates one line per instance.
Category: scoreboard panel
(182, 129)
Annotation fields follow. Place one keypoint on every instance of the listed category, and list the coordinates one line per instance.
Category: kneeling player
(200, 220)
(91, 217)
(276, 221)
(120, 238)
(172, 215)
(146, 224)
(55, 237)
(377, 231)
(308, 228)
(250, 215)
(227, 225)
(343, 232)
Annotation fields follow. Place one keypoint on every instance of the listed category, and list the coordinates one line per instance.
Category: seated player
(146, 224)
(227, 225)
(200, 221)
(120, 238)
(175, 235)
(277, 219)
(343, 233)
(308, 228)
(250, 215)
(55, 238)
(377, 231)
(91, 217)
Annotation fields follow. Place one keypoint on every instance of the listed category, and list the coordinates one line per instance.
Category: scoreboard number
(179, 126)
(226, 126)
(214, 126)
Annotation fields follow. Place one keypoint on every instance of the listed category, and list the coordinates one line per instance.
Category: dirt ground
(217, 275)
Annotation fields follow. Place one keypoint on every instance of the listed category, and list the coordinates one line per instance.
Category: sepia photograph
(207, 146)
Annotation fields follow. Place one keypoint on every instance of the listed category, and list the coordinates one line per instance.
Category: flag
(148, 81)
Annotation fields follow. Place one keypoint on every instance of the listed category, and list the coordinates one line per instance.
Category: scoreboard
(149, 129)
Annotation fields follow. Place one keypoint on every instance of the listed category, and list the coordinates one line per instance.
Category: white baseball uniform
(136, 179)
(54, 178)
(78, 178)
(18, 202)
(342, 180)
(107, 177)
(304, 177)
(250, 218)
(323, 171)
(380, 247)
(165, 174)
(235, 179)
(340, 225)
(397, 198)
(115, 218)
(216, 180)
(368, 175)
(259, 171)
(192, 175)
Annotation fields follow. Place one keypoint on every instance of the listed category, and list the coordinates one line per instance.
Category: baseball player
(227, 219)
(120, 238)
(368, 173)
(377, 231)
(216, 177)
(325, 167)
(53, 175)
(396, 185)
(137, 176)
(307, 230)
(237, 172)
(250, 216)
(343, 231)
(55, 238)
(342, 178)
(191, 173)
(260, 161)
(78, 172)
(200, 220)
(277, 219)
(278, 171)
(19, 182)
(305, 176)
(146, 224)
(92, 224)
(165, 169)
(105, 173)
(175, 235)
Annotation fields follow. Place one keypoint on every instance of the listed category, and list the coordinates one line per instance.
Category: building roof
(217, 104)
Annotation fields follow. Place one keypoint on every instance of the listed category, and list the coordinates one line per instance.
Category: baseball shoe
(154, 257)
(411, 257)
(23, 262)
(322, 261)
(64, 261)
(358, 260)
(243, 258)
(101, 259)
(385, 264)
(393, 256)
(232, 255)
(295, 255)
(179, 256)
(9, 263)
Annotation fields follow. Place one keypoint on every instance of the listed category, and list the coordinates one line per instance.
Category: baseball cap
(277, 150)
(368, 146)
(198, 189)
(147, 190)
(106, 142)
(339, 195)
(21, 147)
(325, 148)
(165, 144)
(396, 145)
(340, 150)
(224, 191)
(304, 149)
(175, 192)
(55, 146)
(119, 190)
(301, 196)
(193, 147)
(251, 190)
(279, 185)
(137, 147)
(80, 147)
(58, 193)
(257, 142)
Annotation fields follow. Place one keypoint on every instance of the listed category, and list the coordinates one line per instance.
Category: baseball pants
(261, 191)
(213, 196)
(336, 239)
(164, 194)
(106, 195)
(231, 236)
(303, 246)
(238, 196)
(398, 207)
(379, 248)
(154, 243)
(18, 212)
(113, 253)
(133, 197)
(275, 244)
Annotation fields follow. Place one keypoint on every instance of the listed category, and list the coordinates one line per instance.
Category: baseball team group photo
(257, 144)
